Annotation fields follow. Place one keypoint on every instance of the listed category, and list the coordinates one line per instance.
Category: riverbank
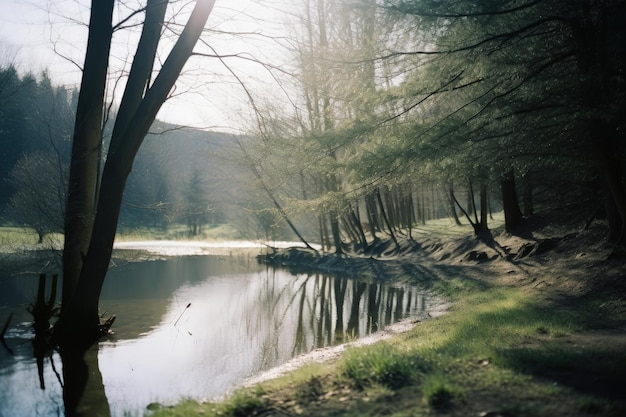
(537, 327)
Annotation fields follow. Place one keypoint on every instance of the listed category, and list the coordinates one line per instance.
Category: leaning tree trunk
(372, 215)
(452, 206)
(386, 219)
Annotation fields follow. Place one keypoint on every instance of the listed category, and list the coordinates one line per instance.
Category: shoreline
(331, 353)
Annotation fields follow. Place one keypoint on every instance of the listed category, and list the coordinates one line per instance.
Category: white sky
(31, 31)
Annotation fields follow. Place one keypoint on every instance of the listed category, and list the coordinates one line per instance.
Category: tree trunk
(372, 215)
(527, 196)
(357, 225)
(470, 200)
(510, 203)
(452, 206)
(386, 219)
(614, 194)
(79, 322)
(598, 35)
(478, 230)
(86, 147)
(334, 229)
(472, 203)
(484, 207)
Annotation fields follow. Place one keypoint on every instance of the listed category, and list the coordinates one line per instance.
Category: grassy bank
(214, 232)
(502, 350)
(24, 237)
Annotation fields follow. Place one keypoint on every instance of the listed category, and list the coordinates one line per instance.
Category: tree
(39, 201)
(94, 195)
(536, 87)
(303, 156)
(35, 125)
(196, 203)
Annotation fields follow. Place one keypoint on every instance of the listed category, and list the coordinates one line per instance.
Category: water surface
(193, 326)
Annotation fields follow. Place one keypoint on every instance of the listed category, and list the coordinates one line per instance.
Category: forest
(399, 112)
(520, 103)
(170, 181)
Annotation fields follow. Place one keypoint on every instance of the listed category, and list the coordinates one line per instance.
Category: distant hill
(177, 170)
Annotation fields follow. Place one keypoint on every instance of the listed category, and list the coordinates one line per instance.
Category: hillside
(179, 170)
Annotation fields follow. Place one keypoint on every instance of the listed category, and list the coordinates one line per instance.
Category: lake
(193, 327)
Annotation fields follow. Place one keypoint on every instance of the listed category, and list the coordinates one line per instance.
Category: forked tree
(94, 199)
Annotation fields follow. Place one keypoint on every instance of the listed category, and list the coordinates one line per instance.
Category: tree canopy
(396, 97)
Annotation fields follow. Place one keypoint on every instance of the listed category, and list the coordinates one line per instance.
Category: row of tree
(170, 180)
(516, 100)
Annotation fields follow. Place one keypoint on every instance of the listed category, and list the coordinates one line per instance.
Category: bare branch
(416, 12)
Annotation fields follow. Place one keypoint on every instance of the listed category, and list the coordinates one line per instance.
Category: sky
(51, 35)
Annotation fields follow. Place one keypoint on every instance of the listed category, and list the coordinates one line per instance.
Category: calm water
(194, 326)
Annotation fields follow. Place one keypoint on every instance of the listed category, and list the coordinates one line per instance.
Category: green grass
(26, 238)
(20, 236)
(381, 364)
(438, 391)
(242, 403)
(179, 232)
(447, 227)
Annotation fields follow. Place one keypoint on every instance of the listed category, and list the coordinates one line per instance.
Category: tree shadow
(596, 371)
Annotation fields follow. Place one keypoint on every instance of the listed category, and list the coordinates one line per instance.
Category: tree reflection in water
(83, 390)
(369, 308)
(266, 317)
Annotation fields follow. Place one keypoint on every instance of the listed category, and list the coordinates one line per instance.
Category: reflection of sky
(242, 318)
(19, 382)
(201, 350)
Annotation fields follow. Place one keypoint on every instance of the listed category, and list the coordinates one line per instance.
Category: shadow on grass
(599, 371)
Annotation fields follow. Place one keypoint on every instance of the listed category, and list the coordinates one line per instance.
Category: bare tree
(39, 200)
(94, 199)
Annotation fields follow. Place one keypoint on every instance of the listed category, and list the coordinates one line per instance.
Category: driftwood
(105, 327)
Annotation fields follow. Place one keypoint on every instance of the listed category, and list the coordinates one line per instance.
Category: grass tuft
(439, 392)
(243, 403)
(382, 364)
